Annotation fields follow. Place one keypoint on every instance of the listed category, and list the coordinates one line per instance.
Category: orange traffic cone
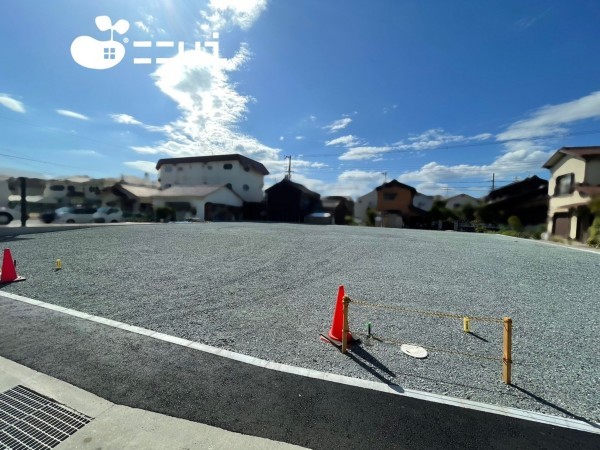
(9, 271)
(338, 318)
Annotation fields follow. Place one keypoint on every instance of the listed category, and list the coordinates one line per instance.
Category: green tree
(515, 223)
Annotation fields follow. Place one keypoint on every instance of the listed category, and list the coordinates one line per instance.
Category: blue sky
(439, 95)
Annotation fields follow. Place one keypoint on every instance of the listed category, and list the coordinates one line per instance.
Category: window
(246, 169)
(168, 169)
(246, 187)
(71, 188)
(57, 187)
(180, 169)
(389, 195)
(228, 185)
(109, 53)
(564, 184)
(167, 186)
(209, 167)
(228, 166)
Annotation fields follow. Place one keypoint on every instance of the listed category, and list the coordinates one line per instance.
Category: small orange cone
(9, 272)
(335, 332)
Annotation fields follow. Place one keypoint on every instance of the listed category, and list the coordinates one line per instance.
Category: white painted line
(553, 244)
(332, 377)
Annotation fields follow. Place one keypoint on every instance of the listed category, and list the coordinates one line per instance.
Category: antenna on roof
(289, 175)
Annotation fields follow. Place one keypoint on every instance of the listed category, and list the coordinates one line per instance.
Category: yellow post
(58, 264)
(466, 325)
(507, 350)
(345, 302)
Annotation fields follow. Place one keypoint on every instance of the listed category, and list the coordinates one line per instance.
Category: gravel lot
(268, 290)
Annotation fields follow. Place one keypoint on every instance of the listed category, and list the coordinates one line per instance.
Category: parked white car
(108, 214)
(7, 215)
(75, 214)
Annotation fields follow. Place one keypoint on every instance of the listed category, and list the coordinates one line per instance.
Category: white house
(242, 175)
(208, 202)
(363, 204)
(575, 180)
(460, 200)
(423, 202)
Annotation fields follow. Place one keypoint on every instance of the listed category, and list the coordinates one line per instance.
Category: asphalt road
(141, 372)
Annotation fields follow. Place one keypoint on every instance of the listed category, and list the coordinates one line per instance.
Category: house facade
(460, 200)
(339, 207)
(575, 180)
(242, 175)
(290, 202)
(363, 204)
(527, 199)
(395, 203)
(206, 202)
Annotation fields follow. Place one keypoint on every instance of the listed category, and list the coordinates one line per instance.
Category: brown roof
(579, 152)
(397, 184)
(213, 158)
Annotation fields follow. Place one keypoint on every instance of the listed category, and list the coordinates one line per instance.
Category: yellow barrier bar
(466, 325)
(345, 301)
(507, 350)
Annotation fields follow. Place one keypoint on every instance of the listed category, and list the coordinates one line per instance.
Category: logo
(93, 54)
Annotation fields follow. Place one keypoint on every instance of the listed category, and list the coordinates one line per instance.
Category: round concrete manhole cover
(414, 350)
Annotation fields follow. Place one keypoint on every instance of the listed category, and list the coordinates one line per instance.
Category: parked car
(75, 214)
(7, 215)
(48, 216)
(108, 214)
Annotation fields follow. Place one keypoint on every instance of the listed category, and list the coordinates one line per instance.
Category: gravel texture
(268, 290)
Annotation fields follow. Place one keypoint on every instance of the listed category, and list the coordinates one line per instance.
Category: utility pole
(23, 181)
(384, 177)
(493, 181)
(289, 175)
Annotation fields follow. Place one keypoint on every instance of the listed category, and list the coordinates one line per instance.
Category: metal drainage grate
(30, 421)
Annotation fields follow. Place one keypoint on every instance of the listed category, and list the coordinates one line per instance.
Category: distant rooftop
(579, 152)
(245, 161)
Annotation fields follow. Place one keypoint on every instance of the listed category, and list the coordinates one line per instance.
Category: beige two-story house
(575, 180)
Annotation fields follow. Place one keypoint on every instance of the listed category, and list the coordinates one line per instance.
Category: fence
(506, 336)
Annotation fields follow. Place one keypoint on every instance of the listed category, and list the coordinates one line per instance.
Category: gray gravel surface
(268, 290)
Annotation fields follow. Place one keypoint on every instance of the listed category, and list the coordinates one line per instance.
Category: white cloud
(437, 137)
(72, 114)
(11, 103)
(84, 153)
(223, 14)
(428, 140)
(142, 26)
(364, 153)
(338, 125)
(312, 117)
(143, 166)
(125, 119)
(551, 119)
(299, 138)
(352, 183)
(281, 138)
(346, 141)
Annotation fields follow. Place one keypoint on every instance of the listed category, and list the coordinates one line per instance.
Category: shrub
(515, 223)
(594, 239)
(164, 213)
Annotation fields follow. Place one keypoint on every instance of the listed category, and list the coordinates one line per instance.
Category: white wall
(223, 196)
(194, 174)
(363, 203)
(424, 202)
